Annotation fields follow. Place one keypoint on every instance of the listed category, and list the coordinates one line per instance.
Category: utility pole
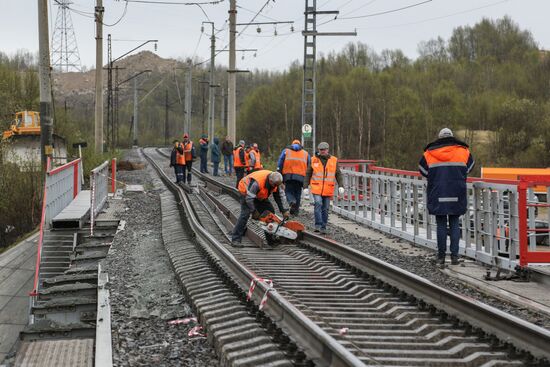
(188, 104)
(211, 99)
(98, 128)
(203, 82)
(232, 77)
(166, 118)
(309, 84)
(222, 117)
(135, 119)
(46, 122)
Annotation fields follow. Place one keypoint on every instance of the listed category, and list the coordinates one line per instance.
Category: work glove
(286, 214)
(256, 215)
(306, 191)
(341, 190)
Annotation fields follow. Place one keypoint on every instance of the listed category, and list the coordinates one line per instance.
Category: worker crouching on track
(177, 160)
(293, 163)
(239, 161)
(446, 163)
(255, 189)
(323, 174)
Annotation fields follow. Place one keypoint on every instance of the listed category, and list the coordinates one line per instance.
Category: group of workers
(446, 163)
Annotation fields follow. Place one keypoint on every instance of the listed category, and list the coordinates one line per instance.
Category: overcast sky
(178, 28)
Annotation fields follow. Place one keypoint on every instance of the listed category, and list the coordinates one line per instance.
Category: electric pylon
(65, 56)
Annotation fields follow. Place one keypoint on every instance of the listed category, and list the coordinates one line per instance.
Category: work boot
(440, 261)
(454, 260)
(317, 229)
(236, 243)
(324, 231)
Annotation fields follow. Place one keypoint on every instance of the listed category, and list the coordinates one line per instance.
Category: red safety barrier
(527, 257)
(113, 175)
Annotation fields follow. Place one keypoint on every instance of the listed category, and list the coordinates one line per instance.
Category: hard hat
(241, 142)
(186, 136)
(275, 178)
(322, 145)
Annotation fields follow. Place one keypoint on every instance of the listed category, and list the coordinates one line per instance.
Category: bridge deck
(74, 215)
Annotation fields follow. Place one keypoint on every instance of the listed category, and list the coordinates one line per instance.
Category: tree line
(489, 82)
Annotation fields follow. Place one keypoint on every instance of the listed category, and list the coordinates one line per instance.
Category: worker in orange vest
(254, 159)
(177, 160)
(239, 161)
(293, 163)
(189, 153)
(323, 175)
(255, 189)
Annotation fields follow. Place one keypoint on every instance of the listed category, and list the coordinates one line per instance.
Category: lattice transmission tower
(65, 56)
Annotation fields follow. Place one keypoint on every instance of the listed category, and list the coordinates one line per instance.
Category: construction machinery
(21, 142)
(276, 229)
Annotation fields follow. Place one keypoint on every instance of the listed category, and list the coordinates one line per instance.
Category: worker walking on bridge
(446, 163)
(293, 163)
(239, 161)
(255, 189)
(323, 174)
(189, 152)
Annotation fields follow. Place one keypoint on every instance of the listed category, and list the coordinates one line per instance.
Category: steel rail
(507, 328)
(318, 345)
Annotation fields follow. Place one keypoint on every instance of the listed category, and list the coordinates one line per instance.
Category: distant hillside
(83, 83)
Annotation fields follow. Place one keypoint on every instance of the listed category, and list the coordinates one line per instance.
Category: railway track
(377, 313)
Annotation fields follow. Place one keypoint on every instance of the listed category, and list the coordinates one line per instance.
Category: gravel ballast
(145, 293)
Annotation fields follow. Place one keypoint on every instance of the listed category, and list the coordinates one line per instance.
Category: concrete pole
(232, 77)
(188, 100)
(135, 126)
(98, 128)
(46, 121)
(222, 117)
(211, 90)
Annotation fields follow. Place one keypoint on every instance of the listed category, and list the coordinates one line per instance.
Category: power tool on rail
(277, 230)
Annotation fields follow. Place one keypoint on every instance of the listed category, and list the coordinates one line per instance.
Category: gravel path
(418, 262)
(145, 294)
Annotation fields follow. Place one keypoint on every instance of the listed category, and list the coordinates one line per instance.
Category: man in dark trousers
(255, 190)
(227, 151)
(189, 152)
(293, 163)
(177, 160)
(204, 145)
(446, 163)
(239, 161)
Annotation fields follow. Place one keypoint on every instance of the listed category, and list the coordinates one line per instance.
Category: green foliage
(488, 78)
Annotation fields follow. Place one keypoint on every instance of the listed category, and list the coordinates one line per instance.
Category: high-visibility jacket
(295, 162)
(257, 162)
(261, 178)
(247, 158)
(180, 158)
(188, 150)
(446, 163)
(323, 178)
(237, 163)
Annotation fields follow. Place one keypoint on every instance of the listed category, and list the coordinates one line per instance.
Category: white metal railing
(99, 186)
(61, 187)
(396, 204)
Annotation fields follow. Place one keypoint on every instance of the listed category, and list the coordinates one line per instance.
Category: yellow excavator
(22, 140)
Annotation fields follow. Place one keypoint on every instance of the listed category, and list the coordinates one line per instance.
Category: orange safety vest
(180, 158)
(261, 178)
(323, 178)
(258, 163)
(295, 162)
(188, 150)
(237, 159)
(247, 158)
